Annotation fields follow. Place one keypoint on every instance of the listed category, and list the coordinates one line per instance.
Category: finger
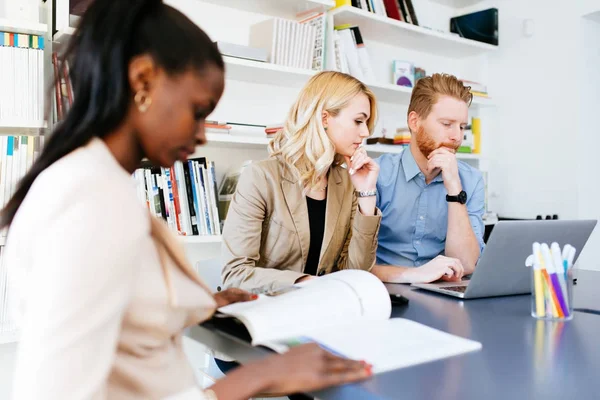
(358, 163)
(455, 268)
(341, 377)
(236, 295)
(360, 150)
(348, 161)
(341, 365)
(461, 269)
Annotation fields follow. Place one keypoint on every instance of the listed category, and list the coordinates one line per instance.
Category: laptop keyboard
(459, 289)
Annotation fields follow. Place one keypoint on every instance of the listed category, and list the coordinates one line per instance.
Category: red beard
(426, 143)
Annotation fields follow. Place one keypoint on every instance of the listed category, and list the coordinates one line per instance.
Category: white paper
(392, 344)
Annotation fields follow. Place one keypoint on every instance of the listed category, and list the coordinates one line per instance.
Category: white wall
(531, 78)
(588, 140)
(546, 86)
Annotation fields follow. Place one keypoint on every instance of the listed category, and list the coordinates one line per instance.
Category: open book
(347, 312)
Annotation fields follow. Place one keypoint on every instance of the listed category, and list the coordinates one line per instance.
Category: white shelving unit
(388, 92)
(391, 148)
(233, 141)
(402, 34)
(24, 27)
(62, 37)
(458, 3)
(8, 127)
(277, 7)
(272, 74)
(202, 239)
(244, 142)
(265, 73)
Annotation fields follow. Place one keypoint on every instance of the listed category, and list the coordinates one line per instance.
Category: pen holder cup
(552, 295)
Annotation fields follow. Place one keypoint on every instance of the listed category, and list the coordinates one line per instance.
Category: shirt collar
(411, 169)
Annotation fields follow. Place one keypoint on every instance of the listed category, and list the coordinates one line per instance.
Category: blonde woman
(300, 214)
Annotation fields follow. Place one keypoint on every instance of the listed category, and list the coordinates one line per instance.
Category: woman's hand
(363, 170)
(233, 295)
(309, 367)
(302, 369)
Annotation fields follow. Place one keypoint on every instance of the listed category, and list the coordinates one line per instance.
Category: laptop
(501, 269)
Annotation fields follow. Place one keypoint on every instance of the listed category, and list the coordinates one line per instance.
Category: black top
(316, 219)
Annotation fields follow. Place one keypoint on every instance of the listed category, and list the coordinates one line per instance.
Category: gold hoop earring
(142, 100)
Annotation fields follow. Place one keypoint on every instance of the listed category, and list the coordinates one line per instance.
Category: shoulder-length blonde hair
(303, 144)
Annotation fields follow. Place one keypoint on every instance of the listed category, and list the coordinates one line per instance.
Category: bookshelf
(249, 142)
(271, 74)
(388, 92)
(22, 125)
(376, 149)
(233, 141)
(8, 127)
(265, 73)
(401, 34)
(24, 27)
(62, 37)
(202, 239)
(457, 3)
(277, 7)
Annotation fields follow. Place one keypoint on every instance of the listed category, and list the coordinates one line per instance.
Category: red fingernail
(254, 296)
(369, 370)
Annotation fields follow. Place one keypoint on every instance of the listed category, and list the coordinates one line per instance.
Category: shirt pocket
(279, 244)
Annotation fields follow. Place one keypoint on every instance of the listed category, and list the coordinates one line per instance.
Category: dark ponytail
(110, 34)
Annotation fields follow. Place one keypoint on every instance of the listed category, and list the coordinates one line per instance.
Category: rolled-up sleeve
(476, 209)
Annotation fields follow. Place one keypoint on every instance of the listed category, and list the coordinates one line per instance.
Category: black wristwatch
(461, 198)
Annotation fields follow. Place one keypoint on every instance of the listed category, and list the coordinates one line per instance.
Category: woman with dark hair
(105, 290)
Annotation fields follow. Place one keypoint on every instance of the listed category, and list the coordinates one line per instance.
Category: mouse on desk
(398, 299)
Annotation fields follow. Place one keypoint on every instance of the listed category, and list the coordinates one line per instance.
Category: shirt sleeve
(77, 291)
(476, 208)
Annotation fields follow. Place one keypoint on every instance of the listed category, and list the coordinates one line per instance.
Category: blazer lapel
(335, 195)
(298, 209)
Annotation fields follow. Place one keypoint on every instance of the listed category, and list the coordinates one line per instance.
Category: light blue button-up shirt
(415, 215)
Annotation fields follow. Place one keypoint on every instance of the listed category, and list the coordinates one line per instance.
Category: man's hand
(445, 160)
(441, 267)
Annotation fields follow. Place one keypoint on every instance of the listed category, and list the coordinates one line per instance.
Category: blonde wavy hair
(303, 143)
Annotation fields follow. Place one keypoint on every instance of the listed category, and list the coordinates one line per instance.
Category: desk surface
(522, 358)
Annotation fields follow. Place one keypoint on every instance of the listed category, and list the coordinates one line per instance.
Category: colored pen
(554, 284)
(538, 286)
(560, 275)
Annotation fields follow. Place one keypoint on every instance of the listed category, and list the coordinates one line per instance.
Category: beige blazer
(266, 236)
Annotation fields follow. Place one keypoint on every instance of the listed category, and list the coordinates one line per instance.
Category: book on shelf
(351, 55)
(319, 22)
(347, 312)
(21, 79)
(288, 43)
(63, 88)
(400, 10)
(272, 129)
(17, 155)
(228, 188)
(184, 195)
